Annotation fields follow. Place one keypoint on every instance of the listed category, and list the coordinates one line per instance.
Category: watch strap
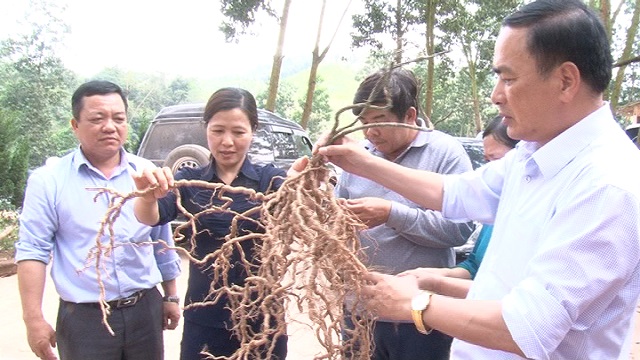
(172, 298)
(416, 314)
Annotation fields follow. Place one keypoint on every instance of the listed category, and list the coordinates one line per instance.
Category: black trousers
(402, 341)
(81, 335)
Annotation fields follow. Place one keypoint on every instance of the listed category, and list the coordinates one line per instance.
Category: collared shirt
(60, 221)
(413, 236)
(565, 252)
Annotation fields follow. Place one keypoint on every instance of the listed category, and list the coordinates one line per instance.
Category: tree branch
(627, 62)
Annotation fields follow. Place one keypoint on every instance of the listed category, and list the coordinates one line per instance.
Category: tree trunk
(277, 59)
(616, 87)
(475, 98)
(315, 63)
(313, 73)
(430, 47)
(399, 33)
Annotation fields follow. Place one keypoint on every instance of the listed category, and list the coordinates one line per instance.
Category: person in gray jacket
(402, 235)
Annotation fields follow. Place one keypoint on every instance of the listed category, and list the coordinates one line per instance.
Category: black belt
(129, 301)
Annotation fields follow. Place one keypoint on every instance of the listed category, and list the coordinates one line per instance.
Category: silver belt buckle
(128, 301)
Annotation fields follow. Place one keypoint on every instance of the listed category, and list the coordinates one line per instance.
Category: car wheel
(190, 155)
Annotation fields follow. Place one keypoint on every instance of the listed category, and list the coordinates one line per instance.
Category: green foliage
(288, 107)
(14, 152)
(240, 14)
(34, 84)
(382, 18)
(285, 102)
(146, 95)
(321, 114)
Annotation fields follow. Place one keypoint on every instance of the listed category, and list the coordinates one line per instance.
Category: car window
(166, 136)
(260, 151)
(476, 154)
(289, 146)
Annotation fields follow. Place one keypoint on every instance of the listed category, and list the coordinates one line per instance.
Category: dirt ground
(14, 346)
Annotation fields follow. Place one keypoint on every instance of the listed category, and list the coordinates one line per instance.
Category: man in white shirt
(561, 276)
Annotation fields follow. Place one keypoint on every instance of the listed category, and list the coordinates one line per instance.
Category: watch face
(420, 301)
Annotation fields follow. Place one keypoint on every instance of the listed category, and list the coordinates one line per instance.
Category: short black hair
(566, 30)
(91, 88)
(398, 85)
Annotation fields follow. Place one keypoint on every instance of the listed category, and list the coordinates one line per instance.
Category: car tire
(189, 155)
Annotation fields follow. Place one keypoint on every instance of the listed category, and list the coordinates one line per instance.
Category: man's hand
(371, 211)
(171, 315)
(345, 153)
(390, 296)
(428, 278)
(42, 339)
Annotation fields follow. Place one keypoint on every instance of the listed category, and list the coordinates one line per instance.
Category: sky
(179, 37)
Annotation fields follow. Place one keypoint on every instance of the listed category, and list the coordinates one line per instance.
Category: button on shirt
(61, 218)
(565, 252)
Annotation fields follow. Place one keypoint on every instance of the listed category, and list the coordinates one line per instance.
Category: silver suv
(176, 138)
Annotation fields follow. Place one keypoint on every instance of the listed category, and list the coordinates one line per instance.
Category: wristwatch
(172, 298)
(419, 304)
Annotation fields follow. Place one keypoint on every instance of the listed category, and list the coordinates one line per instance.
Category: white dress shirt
(565, 252)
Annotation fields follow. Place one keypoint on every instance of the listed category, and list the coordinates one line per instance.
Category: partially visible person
(402, 235)
(230, 119)
(561, 276)
(59, 224)
(497, 144)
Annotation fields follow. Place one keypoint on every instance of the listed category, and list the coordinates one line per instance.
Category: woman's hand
(161, 179)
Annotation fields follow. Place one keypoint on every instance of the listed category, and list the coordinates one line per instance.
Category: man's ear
(411, 116)
(74, 123)
(570, 80)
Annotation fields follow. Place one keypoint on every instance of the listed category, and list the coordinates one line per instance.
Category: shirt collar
(247, 169)
(79, 159)
(562, 149)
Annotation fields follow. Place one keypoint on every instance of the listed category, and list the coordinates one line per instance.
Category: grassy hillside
(339, 79)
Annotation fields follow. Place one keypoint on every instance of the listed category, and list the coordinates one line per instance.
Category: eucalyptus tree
(471, 28)
(317, 57)
(622, 26)
(407, 29)
(240, 15)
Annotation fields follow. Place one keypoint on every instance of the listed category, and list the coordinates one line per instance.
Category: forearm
(449, 285)
(170, 287)
(425, 188)
(427, 227)
(475, 321)
(31, 279)
(146, 211)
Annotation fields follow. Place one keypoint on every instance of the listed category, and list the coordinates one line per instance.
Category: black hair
(230, 98)
(91, 88)
(399, 86)
(566, 30)
(498, 129)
